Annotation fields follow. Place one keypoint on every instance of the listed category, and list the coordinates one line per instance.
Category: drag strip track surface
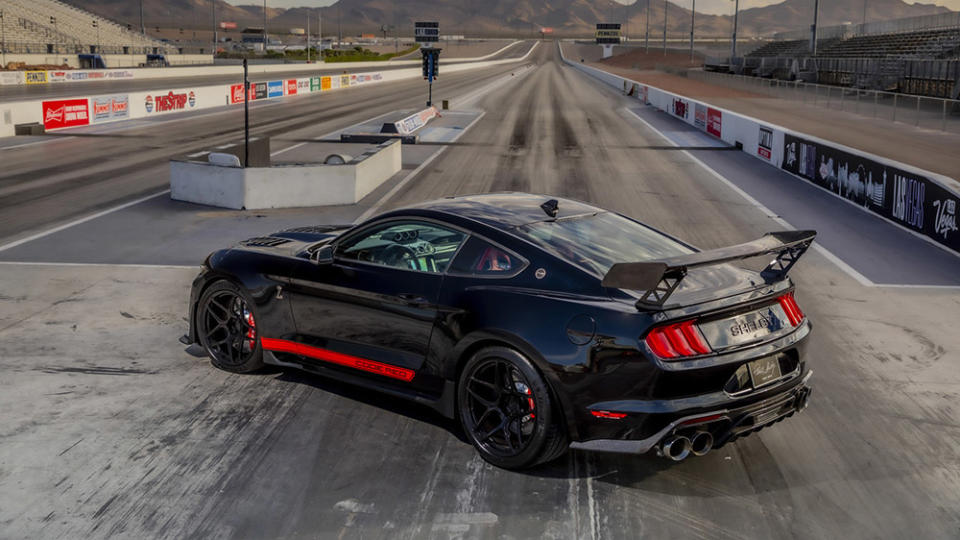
(75, 174)
(124, 434)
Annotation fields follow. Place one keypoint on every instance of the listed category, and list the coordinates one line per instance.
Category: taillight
(678, 340)
(790, 307)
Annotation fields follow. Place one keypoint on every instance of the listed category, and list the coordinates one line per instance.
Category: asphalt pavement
(111, 429)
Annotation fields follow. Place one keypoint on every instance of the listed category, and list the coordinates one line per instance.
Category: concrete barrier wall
(89, 75)
(918, 200)
(285, 186)
(146, 104)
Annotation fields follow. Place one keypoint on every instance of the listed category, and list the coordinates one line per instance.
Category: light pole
(693, 14)
(733, 45)
(264, 27)
(813, 27)
(53, 21)
(864, 16)
(665, 27)
(97, 26)
(646, 38)
(143, 29)
(213, 4)
(3, 41)
(308, 36)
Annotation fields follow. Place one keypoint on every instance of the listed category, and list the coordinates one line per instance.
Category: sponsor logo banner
(236, 94)
(10, 78)
(326, 83)
(344, 81)
(714, 122)
(170, 102)
(292, 87)
(765, 143)
(911, 200)
(303, 85)
(275, 89)
(66, 113)
(700, 116)
(108, 108)
(315, 84)
(35, 77)
(260, 90)
(681, 108)
(416, 121)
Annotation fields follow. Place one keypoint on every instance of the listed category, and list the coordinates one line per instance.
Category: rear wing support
(657, 280)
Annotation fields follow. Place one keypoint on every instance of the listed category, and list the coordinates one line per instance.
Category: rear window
(598, 241)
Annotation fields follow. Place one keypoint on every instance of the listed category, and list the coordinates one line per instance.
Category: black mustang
(540, 324)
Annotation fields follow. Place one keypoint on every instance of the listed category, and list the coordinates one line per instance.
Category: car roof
(502, 211)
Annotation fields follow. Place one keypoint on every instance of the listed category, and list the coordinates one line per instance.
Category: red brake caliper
(251, 333)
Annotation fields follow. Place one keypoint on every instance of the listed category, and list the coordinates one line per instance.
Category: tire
(507, 410)
(226, 326)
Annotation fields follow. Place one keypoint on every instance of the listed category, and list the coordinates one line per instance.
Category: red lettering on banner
(236, 94)
(65, 113)
(171, 102)
(763, 152)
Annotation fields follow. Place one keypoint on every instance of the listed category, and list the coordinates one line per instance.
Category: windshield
(598, 241)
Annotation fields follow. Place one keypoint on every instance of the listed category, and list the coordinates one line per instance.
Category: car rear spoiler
(657, 280)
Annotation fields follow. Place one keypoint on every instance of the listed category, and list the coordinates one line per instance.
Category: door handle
(413, 299)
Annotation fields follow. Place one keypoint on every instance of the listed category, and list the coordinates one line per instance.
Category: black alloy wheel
(506, 410)
(227, 327)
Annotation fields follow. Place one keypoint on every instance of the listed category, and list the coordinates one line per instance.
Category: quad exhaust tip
(676, 448)
(701, 443)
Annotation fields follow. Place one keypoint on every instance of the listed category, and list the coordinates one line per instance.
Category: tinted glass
(598, 241)
(424, 247)
(482, 258)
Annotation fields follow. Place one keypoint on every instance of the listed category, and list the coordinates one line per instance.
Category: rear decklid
(706, 275)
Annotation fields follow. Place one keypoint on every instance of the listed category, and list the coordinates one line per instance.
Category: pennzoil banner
(914, 201)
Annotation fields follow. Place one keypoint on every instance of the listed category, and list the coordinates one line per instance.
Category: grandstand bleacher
(54, 28)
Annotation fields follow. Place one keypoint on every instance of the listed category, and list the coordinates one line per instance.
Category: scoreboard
(608, 33)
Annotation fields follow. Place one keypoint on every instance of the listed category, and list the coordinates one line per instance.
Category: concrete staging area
(111, 429)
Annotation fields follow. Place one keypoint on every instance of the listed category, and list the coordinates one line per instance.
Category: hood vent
(265, 241)
(316, 229)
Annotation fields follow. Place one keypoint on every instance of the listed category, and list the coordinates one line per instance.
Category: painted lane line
(100, 265)
(76, 222)
(846, 268)
(24, 145)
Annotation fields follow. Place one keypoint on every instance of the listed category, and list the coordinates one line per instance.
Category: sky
(716, 7)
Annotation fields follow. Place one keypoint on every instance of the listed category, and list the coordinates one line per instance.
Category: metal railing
(938, 21)
(71, 49)
(920, 111)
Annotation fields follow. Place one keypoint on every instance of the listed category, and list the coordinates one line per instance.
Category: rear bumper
(725, 424)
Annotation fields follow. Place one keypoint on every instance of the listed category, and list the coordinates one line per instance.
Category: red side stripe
(370, 366)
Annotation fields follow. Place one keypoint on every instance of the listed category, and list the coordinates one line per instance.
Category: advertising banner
(344, 81)
(170, 102)
(291, 87)
(35, 77)
(260, 90)
(11, 78)
(914, 201)
(236, 94)
(275, 89)
(700, 116)
(303, 86)
(765, 143)
(66, 113)
(680, 108)
(315, 84)
(714, 121)
(110, 108)
(325, 83)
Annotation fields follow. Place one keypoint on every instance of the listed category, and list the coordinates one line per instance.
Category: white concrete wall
(284, 186)
(112, 61)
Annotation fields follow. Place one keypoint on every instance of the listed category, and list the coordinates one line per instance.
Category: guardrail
(921, 111)
(920, 201)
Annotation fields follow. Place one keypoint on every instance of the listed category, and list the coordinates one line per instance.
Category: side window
(410, 245)
(484, 259)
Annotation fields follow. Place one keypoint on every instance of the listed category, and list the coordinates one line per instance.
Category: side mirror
(323, 256)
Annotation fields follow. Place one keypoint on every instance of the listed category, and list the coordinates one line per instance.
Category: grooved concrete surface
(110, 429)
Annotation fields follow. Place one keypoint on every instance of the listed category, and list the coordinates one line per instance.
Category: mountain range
(504, 17)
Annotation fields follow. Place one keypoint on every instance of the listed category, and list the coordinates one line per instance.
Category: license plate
(764, 371)
(752, 327)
